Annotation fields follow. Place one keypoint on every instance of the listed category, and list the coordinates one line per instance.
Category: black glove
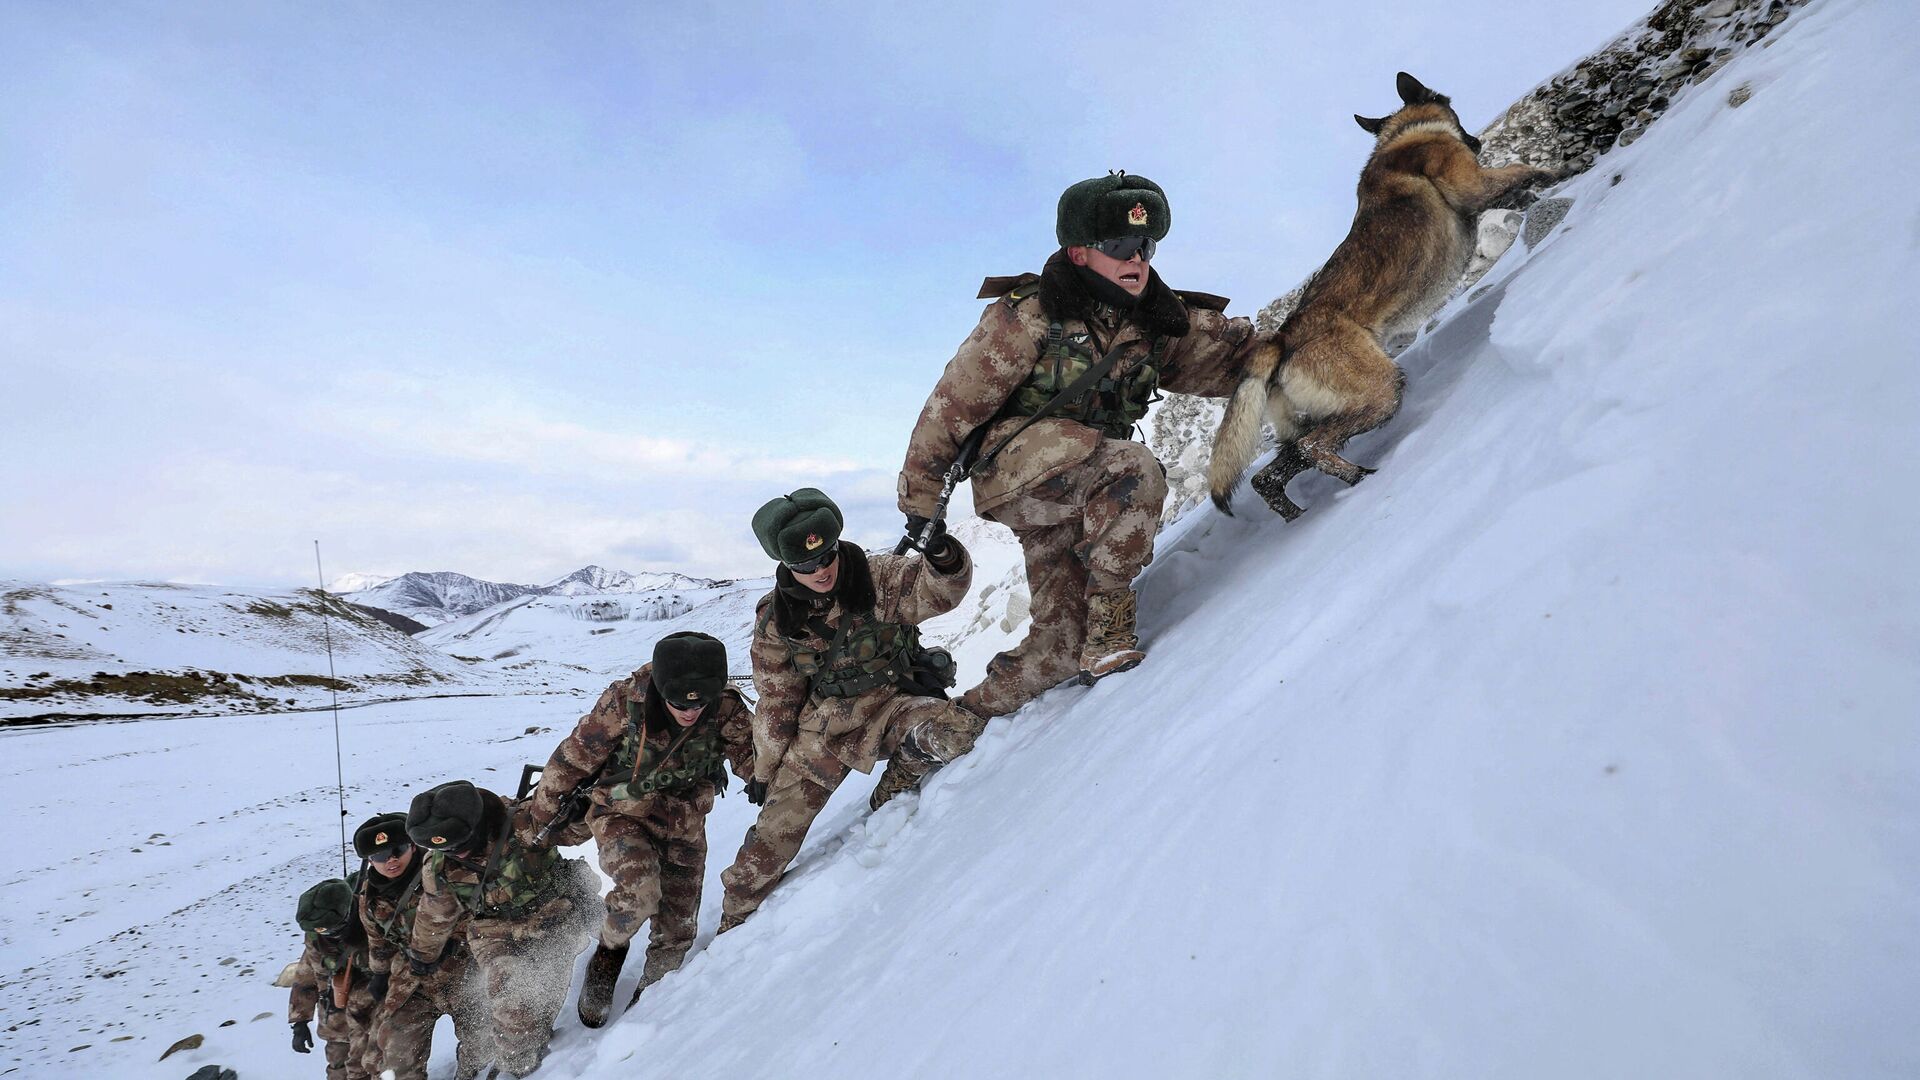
(916, 524)
(719, 779)
(377, 985)
(302, 1038)
(757, 792)
(421, 968)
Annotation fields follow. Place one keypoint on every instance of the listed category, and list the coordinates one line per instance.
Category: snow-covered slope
(149, 648)
(1578, 742)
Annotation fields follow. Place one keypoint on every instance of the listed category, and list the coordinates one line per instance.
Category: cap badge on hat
(1137, 215)
(438, 840)
(814, 541)
(693, 695)
(379, 838)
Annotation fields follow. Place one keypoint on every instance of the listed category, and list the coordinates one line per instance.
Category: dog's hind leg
(1321, 445)
(1271, 482)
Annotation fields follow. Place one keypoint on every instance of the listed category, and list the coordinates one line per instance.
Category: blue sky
(508, 289)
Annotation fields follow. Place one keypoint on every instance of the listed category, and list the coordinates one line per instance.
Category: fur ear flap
(1412, 91)
(1371, 127)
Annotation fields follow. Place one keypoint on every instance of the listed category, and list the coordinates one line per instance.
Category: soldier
(654, 751)
(843, 680)
(1057, 464)
(402, 1028)
(333, 975)
(525, 910)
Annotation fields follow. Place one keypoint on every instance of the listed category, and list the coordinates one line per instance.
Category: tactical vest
(672, 770)
(527, 878)
(1113, 404)
(333, 956)
(865, 653)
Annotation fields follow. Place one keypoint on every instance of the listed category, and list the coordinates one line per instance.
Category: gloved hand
(302, 1038)
(421, 968)
(377, 985)
(915, 525)
(757, 792)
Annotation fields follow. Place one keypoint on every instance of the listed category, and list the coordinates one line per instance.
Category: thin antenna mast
(339, 768)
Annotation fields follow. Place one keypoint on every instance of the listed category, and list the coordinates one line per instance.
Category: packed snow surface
(1578, 742)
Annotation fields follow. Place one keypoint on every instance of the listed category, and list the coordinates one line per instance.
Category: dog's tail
(1238, 438)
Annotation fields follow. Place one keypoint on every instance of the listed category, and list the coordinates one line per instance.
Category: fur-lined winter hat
(798, 528)
(446, 816)
(689, 668)
(1111, 206)
(325, 907)
(380, 832)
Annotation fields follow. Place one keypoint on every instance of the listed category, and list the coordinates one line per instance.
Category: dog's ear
(1371, 127)
(1412, 91)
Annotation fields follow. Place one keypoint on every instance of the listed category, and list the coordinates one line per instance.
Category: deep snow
(1578, 742)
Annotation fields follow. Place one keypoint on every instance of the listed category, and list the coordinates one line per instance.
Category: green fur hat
(689, 668)
(380, 832)
(796, 528)
(1109, 207)
(326, 906)
(446, 817)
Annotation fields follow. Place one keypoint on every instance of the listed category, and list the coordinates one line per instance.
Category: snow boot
(596, 991)
(905, 769)
(653, 973)
(1111, 646)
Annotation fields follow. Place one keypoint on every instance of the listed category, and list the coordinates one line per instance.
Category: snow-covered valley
(1578, 742)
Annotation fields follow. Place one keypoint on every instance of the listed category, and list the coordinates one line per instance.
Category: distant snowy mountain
(147, 648)
(589, 580)
(434, 598)
(349, 583)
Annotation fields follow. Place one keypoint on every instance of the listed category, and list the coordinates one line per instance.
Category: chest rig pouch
(867, 652)
(1113, 404)
(518, 879)
(697, 754)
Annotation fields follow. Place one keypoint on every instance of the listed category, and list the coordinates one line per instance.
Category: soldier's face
(686, 717)
(1129, 274)
(821, 580)
(396, 863)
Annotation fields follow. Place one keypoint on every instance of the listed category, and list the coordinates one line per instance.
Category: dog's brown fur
(1328, 378)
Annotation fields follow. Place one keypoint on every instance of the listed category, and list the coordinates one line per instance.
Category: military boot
(1111, 644)
(905, 769)
(596, 991)
(653, 973)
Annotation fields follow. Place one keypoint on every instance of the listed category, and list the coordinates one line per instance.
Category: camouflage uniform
(804, 745)
(345, 1029)
(648, 815)
(402, 1024)
(525, 912)
(1084, 502)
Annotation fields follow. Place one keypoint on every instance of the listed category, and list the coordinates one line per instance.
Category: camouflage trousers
(940, 728)
(655, 878)
(347, 1031)
(526, 965)
(1088, 530)
(402, 1028)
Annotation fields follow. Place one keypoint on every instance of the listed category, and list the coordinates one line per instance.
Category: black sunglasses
(814, 566)
(390, 854)
(1126, 247)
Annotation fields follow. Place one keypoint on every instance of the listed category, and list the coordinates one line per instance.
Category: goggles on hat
(388, 854)
(815, 565)
(1126, 247)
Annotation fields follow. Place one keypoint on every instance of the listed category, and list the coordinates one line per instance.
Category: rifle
(961, 468)
(570, 804)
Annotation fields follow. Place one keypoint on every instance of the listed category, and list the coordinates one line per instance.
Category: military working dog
(1327, 378)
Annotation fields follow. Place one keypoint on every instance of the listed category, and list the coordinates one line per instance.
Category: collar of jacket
(1064, 296)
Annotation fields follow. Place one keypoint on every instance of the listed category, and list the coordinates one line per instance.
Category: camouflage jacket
(320, 962)
(1205, 354)
(663, 757)
(505, 880)
(789, 721)
(387, 914)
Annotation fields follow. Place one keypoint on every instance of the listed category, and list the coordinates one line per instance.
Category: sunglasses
(390, 854)
(1126, 247)
(814, 566)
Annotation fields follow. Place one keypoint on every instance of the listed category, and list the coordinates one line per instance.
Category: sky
(511, 289)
